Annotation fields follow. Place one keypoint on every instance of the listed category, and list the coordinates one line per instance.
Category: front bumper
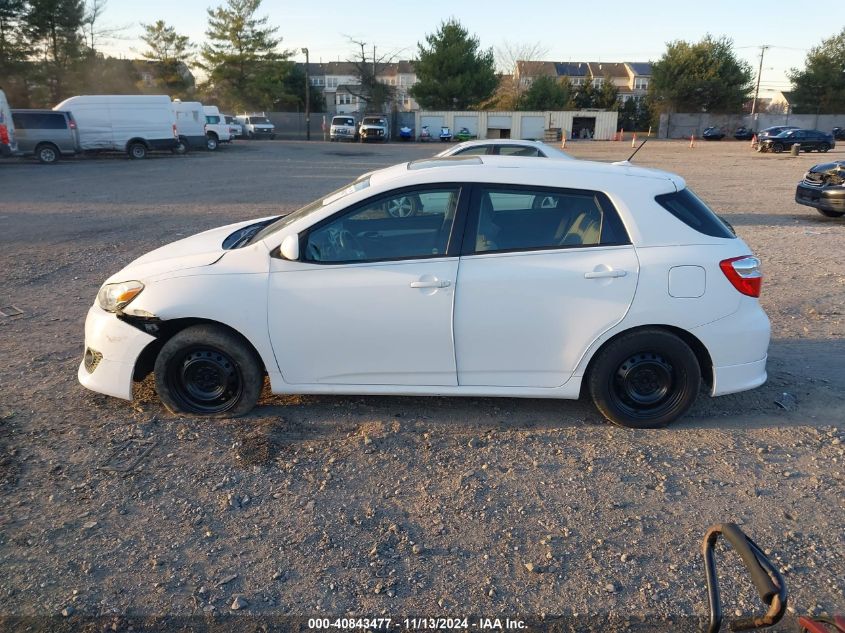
(114, 346)
(825, 198)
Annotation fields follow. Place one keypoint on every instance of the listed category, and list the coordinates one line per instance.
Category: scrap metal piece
(10, 311)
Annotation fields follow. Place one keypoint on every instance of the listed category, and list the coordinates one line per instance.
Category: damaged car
(823, 188)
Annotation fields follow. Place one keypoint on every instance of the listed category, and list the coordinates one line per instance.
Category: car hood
(826, 173)
(202, 249)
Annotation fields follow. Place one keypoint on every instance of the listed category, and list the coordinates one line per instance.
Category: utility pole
(763, 50)
(307, 99)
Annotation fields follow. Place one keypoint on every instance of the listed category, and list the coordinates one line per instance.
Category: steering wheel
(402, 207)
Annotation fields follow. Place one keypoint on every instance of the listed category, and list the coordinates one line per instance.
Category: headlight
(114, 297)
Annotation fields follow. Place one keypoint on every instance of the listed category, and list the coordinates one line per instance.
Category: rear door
(543, 273)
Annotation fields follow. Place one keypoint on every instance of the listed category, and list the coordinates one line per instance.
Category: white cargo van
(8, 146)
(135, 124)
(216, 128)
(190, 125)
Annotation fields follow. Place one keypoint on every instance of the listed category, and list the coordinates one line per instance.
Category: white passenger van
(135, 124)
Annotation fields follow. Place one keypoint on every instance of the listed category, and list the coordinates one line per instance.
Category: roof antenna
(628, 160)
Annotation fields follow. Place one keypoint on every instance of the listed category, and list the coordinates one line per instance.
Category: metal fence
(291, 126)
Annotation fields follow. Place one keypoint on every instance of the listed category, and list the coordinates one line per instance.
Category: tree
(292, 98)
(13, 50)
(241, 57)
(511, 86)
(169, 51)
(54, 28)
(452, 71)
(376, 94)
(606, 97)
(547, 93)
(820, 86)
(702, 77)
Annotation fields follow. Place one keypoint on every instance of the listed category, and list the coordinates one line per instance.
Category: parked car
(190, 126)
(809, 140)
(713, 134)
(823, 188)
(8, 143)
(505, 147)
(770, 132)
(839, 133)
(374, 127)
(743, 134)
(216, 129)
(343, 128)
(235, 129)
(256, 126)
(135, 124)
(626, 285)
(46, 134)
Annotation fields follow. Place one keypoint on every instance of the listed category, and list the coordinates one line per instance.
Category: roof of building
(535, 69)
(640, 68)
(571, 69)
(608, 69)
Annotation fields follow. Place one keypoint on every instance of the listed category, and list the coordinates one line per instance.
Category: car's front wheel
(777, 148)
(47, 153)
(645, 379)
(208, 370)
(824, 147)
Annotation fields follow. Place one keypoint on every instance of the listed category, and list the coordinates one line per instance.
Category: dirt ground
(397, 507)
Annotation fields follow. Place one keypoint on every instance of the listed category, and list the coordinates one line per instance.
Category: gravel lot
(397, 507)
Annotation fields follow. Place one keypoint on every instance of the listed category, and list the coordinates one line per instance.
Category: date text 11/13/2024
(413, 624)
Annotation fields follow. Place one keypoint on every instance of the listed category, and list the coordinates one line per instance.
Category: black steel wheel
(207, 370)
(645, 379)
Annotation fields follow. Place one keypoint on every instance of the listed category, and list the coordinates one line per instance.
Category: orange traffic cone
(753, 141)
(563, 141)
(634, 140)
(692, 140)
(622, 134)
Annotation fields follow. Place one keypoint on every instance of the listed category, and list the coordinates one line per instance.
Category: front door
(370, 302)
(545, 272)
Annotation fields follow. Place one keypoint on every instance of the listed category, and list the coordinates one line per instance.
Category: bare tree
(92, 25)
(511, 86)
(375, 93)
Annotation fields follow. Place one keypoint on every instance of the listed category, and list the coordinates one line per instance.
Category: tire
(137, 151)
(824, 147)
(272, 137)
(777, 148)
(181, 146)
(211, 143)
(209, 371)
(645, 379)
(47, 154)
(831, 214)
(402, 206)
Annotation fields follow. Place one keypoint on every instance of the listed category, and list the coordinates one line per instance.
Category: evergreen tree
(54, 28)
(245, 68)
(701, 77)
(452, 71)
(169, 51)
(820, 86)
(547, 93)
(13, 51)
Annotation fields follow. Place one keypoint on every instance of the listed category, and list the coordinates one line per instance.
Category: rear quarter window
(690, 210)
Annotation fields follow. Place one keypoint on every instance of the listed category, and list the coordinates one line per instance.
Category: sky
(605, 31)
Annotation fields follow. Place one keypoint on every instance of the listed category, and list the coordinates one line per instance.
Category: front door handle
(434, 283)
(603, 274)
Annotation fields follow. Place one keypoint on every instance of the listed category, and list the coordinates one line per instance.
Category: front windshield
(362, 183)
(258, 119)
(373, 121)
(342, 121)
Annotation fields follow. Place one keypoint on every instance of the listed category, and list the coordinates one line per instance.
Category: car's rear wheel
(211, 142)
(47, 153)
(645, 379)
(824, 147)
(181, 146)
(137, 151)
(777, 148)
(831, 214)
(207, 370)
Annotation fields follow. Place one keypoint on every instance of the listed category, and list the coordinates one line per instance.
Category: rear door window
(39, 120)
(690, 210)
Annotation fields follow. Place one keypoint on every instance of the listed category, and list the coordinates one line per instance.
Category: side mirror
(290, 247)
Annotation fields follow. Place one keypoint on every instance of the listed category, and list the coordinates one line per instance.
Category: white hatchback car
(511, 277)
(505, 147)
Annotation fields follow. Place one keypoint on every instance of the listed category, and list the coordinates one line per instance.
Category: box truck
(135, 124)
(190, 126)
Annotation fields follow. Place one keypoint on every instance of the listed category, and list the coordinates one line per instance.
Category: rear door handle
(602, 274)
(436, 283)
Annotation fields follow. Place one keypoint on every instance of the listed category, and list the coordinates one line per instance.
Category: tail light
(744, 273)
(175, 133)
(72, 124)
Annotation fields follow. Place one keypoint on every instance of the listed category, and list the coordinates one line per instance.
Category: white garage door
(532, 127)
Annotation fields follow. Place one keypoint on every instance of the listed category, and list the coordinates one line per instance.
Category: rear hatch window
(690, 210)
